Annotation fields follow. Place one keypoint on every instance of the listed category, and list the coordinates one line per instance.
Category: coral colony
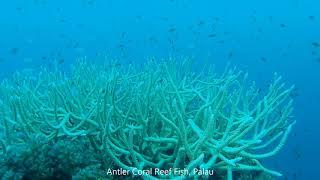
(160, 120)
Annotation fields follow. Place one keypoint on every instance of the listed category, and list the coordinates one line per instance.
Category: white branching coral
(164, 116)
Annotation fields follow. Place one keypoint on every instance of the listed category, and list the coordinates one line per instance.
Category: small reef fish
(263, 59)
(315, 44)
(212, 35)
(14, 51)
(172, 29)
(201, 23)
(312, 18)
(282, 25)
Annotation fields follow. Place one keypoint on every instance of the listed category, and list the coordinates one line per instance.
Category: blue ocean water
(261, 37)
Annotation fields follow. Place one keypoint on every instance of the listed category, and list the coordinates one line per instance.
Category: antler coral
(163, 116)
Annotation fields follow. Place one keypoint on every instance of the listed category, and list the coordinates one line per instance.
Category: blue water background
(260, 37)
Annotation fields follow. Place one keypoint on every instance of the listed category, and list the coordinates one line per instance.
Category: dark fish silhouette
(282, 25)
(61, 20)
(263, 59)
(312, 18)
(20, 9)
(61, 61)
(201, 23)
(212, 35)
(171, 30)
(58, 9)
(14, 51)
(90, 2)
(315, 44)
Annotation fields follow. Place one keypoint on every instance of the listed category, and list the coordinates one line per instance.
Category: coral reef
(161, 120)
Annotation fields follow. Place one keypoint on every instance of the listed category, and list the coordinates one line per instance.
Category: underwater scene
(159, 89)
